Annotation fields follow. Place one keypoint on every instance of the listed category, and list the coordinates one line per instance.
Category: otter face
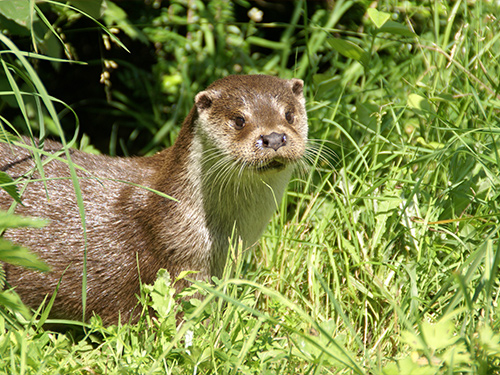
(256, 123)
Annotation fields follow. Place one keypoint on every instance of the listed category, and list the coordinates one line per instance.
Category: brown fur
(219, 174)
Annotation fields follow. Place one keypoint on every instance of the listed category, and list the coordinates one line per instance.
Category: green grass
(386, 264)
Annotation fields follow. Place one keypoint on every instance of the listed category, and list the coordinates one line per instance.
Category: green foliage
(7, 183)
(386, 265)
(16, 255)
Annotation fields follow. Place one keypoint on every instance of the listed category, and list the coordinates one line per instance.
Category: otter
(226, 173)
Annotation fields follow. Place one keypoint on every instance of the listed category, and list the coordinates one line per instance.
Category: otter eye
(239, 123)
(289, 117)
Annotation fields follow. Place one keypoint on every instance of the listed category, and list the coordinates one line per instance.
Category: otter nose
(273, 140)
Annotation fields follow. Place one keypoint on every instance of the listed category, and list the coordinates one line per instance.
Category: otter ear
(203, 100)
(297, 86)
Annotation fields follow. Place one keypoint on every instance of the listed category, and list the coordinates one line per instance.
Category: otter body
(227, 171)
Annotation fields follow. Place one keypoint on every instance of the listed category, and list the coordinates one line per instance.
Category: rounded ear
(297, 86)
(204, 99)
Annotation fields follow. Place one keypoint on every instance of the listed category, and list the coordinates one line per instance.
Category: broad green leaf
(439, 335)
(10, 189)
(93, 8)
(20, 256)
(16, 10)
(456, 354)
(412, 339)
(431, 145)
(366, 113)
(311, 350)
(162, 294)
(409, 366)
(396, 28)
(418, 102)
(325, 82)
(490, 341)
(15, 221)
(86, 146)
(13, 302)
(378, 18)
(384, 211)
(183, 274)
(349, 50)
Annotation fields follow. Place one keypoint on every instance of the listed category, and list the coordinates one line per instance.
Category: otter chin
(273, 165)
(226, 171)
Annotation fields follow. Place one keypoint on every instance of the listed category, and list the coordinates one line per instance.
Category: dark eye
(239, 123)
(289, 117)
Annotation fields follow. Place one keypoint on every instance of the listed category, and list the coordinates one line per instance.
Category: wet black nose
(273, 140)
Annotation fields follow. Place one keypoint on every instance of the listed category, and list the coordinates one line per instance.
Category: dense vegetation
(384, 256)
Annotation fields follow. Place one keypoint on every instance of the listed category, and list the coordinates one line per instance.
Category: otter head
(254, 123)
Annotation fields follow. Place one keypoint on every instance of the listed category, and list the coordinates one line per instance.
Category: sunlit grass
(385, 264)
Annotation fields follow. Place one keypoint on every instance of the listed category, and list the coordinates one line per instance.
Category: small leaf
(431, 145)
(418, 102)
(378, 18)
(349, 50)
(325, 82)
(183, 274)
(12, 301)
(412, 339)
(10, 189)
(20, 256)
(162, 294)
(396, 28)
(439, 335)
(490, 341)
(15, 221)
(456, 354)
(366, 113)
(94, 8)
